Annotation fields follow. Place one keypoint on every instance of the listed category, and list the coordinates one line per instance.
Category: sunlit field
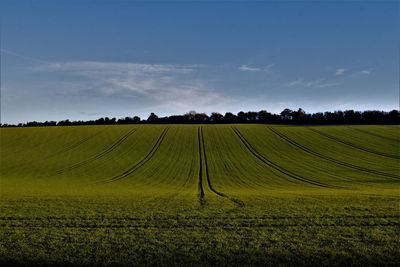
(200, 195)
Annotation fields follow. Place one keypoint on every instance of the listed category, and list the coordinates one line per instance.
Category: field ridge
(330, 159)
(339, 140)
(375, 134)
(276, 166)
(143, 161)
(209, 184)
(99, 155)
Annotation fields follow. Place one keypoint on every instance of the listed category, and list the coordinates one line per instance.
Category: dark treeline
(287, 116)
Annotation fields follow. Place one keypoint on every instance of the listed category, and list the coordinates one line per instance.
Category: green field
(200, 195)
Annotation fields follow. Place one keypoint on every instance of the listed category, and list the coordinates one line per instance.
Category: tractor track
(354, 145)
(203, 154)
(201, 189)
(276, 166)
(140, 163)
(75, 145)
(332, 160)
(63, 150)
(98, 156)
(375, 134)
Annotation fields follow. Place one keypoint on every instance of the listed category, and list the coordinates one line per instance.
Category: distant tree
(352, 117)
(287, 114)
(317, 118)
(136, 119)
(191, 115)
(201, 117)
(229, 117)
(264, 116)
(64, 123)
(251, 116)
(329, 117)
(241, 117)
(216, 117)
(299, 116)
(339, 117)
(393, 117)
(153, 118)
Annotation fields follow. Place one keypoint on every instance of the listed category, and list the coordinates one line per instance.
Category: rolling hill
(200, 194)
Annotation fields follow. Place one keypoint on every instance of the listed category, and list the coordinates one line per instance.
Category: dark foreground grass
(288, 229)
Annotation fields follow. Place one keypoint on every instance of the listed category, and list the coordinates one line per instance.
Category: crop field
(200, 195)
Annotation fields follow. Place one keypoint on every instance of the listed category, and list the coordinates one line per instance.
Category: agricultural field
(200, 195)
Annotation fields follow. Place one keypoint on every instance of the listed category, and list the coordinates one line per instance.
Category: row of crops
(204, 160)
(200, 195)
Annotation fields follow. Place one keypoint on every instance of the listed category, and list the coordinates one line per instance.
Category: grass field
(200, 195)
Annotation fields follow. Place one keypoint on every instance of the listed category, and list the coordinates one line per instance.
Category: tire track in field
(143, 161)
(62, 151)
(75, 145)
(375, 134)
(330, 159)
(98, 156)
(192, 169)
(372, 151)
(277, 167)
(202, 149)
(201, 189)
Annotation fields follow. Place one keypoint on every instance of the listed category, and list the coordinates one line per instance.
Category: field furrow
(99, 155)
(63, 150)
(330, 159)
(77, 144)
(132, 194)
(366, 149)
(142, 161)
(375, 134)
(276, 166)
(201, 189)
(207, 174)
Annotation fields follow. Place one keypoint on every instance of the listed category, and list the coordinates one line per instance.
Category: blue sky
(89, 59)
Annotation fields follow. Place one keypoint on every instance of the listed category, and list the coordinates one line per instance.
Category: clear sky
(89, 59)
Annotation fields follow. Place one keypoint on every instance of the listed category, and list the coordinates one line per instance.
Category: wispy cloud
(318, 83)
(249, 68)
(21, 56)
(340, 71)
(268, 67)
(295, 82)
(363, 72)
(123, 68)
(164, 85)
(328, 85)
(314, 82)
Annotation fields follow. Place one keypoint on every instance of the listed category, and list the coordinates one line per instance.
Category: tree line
(287, 116)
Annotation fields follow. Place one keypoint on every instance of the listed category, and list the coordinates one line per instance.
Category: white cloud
(295, 82)
(340, 71)
(247, 68)
(328, 85)
(363, 72)
(87, 67)
(313, 82)
(268, 67)
(162, 85)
